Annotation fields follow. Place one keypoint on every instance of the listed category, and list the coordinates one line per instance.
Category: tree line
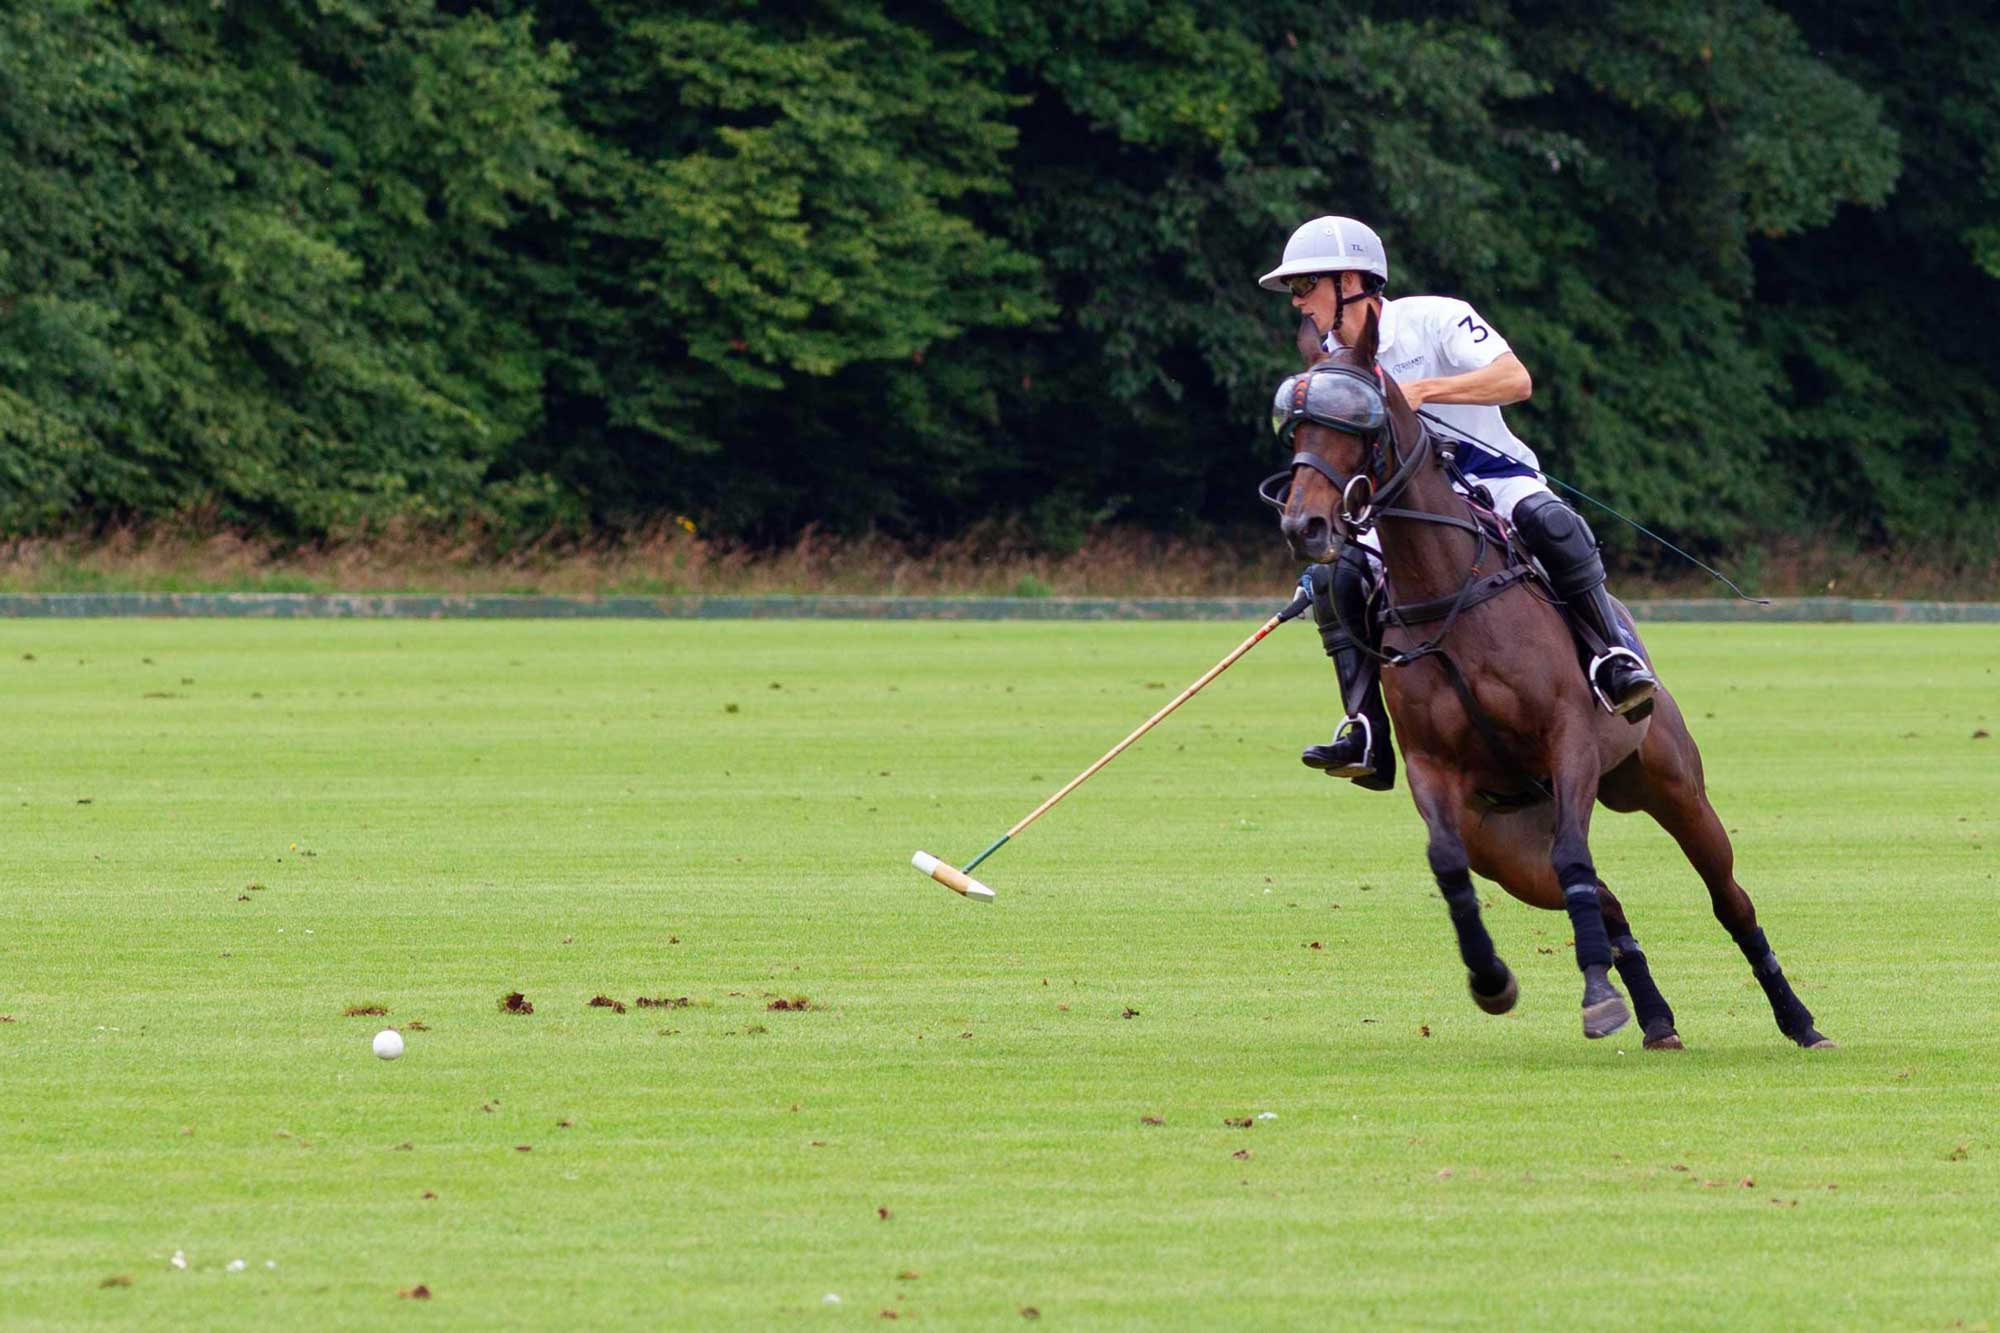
(308, 267)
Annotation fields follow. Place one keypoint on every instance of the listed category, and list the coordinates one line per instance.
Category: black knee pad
(1319, 580)
(1350, 581)
(1562, 541)
(1340, 593)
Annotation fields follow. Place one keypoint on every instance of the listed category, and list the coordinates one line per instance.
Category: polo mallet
(961, 881)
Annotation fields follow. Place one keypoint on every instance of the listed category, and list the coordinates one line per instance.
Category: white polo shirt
(1428, 337)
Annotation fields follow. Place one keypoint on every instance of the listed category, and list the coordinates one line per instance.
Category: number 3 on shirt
(1475, 328)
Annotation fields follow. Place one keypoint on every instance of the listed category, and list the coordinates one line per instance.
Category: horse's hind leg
(1440, 798)
(1675, 797)
(1513, 849)
(1656, 1016)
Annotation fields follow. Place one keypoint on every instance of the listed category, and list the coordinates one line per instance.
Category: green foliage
(772, 231)
(257, 263)
(313, 267)
(810, 215)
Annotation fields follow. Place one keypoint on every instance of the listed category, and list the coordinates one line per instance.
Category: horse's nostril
(1309, 535)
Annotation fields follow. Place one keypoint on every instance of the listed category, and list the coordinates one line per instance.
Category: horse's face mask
(1333, 417)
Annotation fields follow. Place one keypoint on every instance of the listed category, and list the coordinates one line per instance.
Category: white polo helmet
(1329, 245)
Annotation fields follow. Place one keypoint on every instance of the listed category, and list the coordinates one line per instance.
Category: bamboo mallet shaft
(1147, 725)
(961, 881)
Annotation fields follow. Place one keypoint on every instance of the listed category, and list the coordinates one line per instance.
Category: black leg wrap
(1475, 946)
(1794, 1019)
(1755, 948)
(1655, 1014)
(1586, 919)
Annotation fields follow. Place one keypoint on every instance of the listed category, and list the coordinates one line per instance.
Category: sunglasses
(1301, 283)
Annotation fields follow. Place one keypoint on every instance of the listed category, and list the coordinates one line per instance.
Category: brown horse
(1506, 748)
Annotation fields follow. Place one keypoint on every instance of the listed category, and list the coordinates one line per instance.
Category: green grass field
(221, 835)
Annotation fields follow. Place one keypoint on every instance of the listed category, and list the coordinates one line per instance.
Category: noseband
(1348, 400)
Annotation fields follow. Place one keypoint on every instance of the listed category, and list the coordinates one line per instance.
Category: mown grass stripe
(222, 835)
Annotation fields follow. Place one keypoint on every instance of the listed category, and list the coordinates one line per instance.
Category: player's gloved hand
(1313, 590)
(1317, 583)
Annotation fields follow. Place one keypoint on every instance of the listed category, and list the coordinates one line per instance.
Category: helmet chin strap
(1341, 300)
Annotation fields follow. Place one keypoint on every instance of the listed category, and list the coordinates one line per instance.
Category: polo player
(1452, 363)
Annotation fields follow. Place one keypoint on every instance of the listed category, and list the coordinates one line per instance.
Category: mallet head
(952, 878)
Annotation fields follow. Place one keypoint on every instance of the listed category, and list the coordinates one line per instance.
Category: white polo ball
(388, 1043)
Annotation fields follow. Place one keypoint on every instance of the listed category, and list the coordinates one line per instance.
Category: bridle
(1316, 394)
(1352, 401)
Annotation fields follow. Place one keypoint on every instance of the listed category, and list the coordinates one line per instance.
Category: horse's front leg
(1439, 792)
(1574, 776)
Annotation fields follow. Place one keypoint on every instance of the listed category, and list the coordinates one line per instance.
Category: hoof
(1500, 1002)
(1604, 1010)
(1669, 1040)
(1605, 1017)
(1813, 1041)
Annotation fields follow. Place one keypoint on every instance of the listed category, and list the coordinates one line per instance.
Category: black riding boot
(1361, 748)
(1557, 536)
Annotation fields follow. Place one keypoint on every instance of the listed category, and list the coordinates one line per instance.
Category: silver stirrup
(1603, 699)
(1367, 736)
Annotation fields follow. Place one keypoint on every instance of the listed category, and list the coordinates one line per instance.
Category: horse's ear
(1310, 347)
(1370, 341)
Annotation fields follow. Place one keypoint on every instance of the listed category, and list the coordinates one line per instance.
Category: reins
(1377, 504)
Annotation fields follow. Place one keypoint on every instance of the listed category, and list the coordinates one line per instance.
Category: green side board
(361, 606)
